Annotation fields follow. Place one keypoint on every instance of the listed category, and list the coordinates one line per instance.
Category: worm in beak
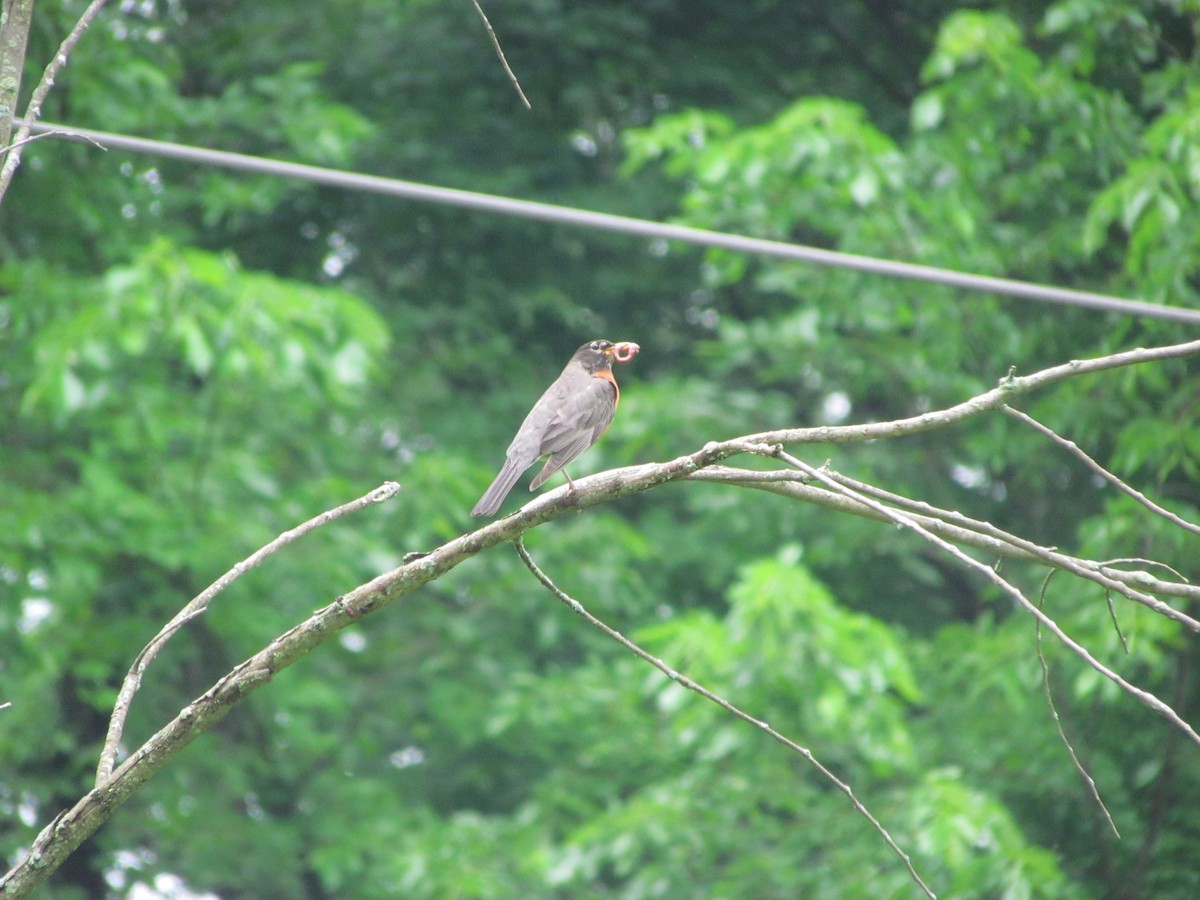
(624, 351)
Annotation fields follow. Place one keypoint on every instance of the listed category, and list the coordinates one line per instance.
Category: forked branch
(1140, 694)
(196, 606)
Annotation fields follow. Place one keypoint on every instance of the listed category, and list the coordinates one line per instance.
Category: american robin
(568, 419)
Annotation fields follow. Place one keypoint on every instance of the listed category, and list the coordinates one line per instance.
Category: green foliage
(192, 361)
(980, 846)
(169, 396)
(1154, 202)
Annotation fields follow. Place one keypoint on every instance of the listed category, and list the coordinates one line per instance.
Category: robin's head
(598, 355)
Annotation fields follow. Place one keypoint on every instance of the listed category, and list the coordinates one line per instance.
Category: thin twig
(1008, 389)
(1142, 561)
(1108, 476)
(964, 531)
(1143, 696)
(1092, 571)
(1112, 615)
(578, 608)
(49, 134)
(1088, 780)
(195, 607)
(500, 53)
(34, 109)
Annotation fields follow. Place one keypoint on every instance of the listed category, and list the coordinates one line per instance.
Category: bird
(570, 416)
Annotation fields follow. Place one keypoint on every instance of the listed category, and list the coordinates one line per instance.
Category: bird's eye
(595, 345)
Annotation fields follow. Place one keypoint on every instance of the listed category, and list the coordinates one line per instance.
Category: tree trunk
(14, 31)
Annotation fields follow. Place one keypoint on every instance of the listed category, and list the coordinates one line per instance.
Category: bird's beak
(624, 351)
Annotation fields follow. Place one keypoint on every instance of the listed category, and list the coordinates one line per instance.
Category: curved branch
(196, 606)
(1058, 725)
(69, 829)
(1009, 388)
(1140, 694)
(46, 134)
(1102, 574)
(962, 530)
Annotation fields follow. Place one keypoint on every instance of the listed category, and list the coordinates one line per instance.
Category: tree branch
(1062, 734)
(199, 604)
(1143, 696)
(49, 134)
(961, 530)
(1098, 469)
(34, 109)
(69, 829)
(1101, 573)
(14, 34)
(500, 53)
(576, 607)
(1009, 388)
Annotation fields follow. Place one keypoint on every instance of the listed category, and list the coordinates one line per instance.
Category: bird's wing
(580, 419)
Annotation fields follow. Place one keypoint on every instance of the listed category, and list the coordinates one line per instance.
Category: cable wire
(567, 215)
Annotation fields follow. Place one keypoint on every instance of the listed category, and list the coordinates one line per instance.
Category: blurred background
(194, 360)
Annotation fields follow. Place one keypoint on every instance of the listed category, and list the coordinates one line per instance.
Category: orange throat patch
(607, 375)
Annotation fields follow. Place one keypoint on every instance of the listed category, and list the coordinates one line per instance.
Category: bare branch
(195, 607)
(1108, 476)
(34, 109)
(1142, 561)
(1088, 780)
(961, 530)
(1116, 623)
(49, 134)
(576, 607)
(1111, 579)
(500, 53)
(69, 829)
(1133, 690)
(1009, 388)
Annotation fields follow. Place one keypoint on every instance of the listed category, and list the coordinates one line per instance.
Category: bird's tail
(494, 496)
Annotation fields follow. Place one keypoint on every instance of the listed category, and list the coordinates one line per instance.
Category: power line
(567, 215)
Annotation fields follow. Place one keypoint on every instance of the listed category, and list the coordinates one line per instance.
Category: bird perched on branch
(568, 419)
